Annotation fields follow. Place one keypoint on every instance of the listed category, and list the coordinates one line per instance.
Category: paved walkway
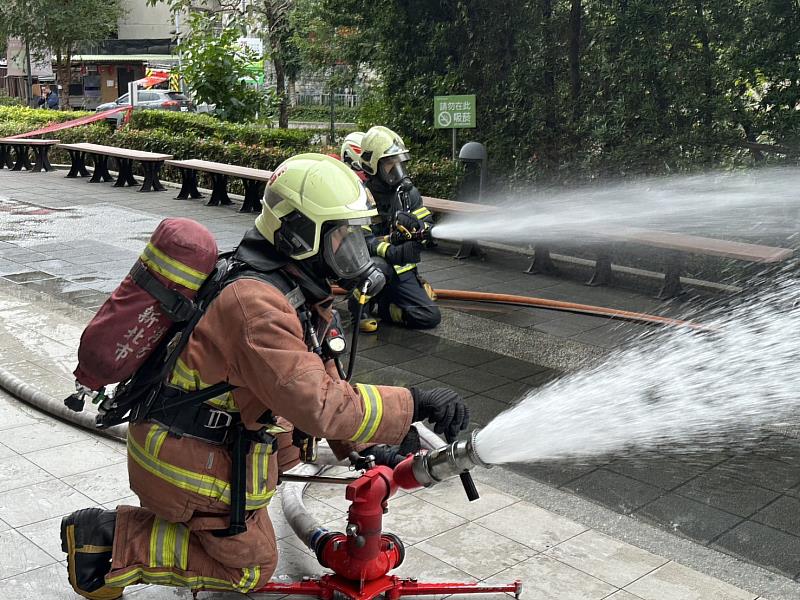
(65, 244)
(49, 468)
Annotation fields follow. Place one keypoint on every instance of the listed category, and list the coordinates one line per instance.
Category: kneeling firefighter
(259, 337)
(396, 240)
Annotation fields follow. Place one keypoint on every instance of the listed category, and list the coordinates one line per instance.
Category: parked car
(154, 99)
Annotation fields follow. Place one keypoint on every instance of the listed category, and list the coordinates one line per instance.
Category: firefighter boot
(87, 537)
(368, 325)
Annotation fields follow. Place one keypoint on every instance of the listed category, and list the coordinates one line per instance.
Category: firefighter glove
(444, 408)
(391, 456)
(408, 222)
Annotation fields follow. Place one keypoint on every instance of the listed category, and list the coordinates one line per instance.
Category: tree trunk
(291, 90)
(64, 96)
(280, 88)
(707, 114)
(549, 83)
(575, 26)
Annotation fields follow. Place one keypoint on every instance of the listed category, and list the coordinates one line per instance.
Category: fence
(350, 100)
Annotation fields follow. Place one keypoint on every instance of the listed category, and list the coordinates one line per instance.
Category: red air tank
(180, 255)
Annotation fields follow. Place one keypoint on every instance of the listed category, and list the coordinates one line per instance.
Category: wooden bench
(676, 244)
(22, 148)
(254, 180)
(151, 165)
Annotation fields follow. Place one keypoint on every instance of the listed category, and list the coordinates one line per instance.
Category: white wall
(142, 21)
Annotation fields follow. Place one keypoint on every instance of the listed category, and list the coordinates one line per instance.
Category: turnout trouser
(405, 301)
(148, 549)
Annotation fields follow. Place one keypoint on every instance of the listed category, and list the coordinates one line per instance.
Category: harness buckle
(218, 419)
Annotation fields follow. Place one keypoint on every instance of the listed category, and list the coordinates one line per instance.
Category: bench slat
(116, 152)
(27, 142)
(221, 168)
(454, 206)
(702, 245)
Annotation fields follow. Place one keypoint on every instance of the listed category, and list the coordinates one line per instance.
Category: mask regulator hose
(372, 283)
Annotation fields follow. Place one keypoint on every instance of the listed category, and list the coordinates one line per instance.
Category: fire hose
(559, 305)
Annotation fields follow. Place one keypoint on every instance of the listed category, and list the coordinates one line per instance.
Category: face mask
(346, 254)
(393, 170)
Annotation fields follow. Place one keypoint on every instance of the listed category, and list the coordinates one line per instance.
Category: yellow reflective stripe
(159, 441)
(203, 485)
(366, 228)
(382, 249)
(188, 380)
(156, 541)
(172, 269)
(250, 577)
(396, 313)
(256, 467)
(142, 575)
(421, 212)
(373, 413)
(399, 269)
(181, 557)
(377, 417)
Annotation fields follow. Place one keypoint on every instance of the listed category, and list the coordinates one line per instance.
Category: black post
(31, 103)
(333, 116)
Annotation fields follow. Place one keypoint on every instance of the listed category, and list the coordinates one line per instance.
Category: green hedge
(33, 116)
(205, 126)
(440, 178)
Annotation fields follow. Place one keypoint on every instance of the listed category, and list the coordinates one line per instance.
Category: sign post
(454, 112)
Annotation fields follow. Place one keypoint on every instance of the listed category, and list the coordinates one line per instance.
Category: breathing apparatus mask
(392, 170)
(347, 257)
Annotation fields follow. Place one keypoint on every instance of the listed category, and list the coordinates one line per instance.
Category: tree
(215, 68)
(270, 18)
(59, 27)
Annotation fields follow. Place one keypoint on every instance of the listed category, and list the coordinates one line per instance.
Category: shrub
(205, 126)
(199, 125)
(437, 178)
(6, 100)
(34, 117)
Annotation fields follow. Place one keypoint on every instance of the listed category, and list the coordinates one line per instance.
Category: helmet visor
(392, 169)
(346, 251)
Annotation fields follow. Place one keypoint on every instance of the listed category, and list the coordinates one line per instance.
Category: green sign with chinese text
(454, 112)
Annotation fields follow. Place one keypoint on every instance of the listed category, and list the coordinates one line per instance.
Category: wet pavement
(73, 242)
(49, 468)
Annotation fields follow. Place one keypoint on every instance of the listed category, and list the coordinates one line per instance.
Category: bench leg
(23, 159)
(5, 157)
(78, 167)
(468, 249)
(541, 263)
(188, 185)
(603, 275)
(42, 162)
(253, 191)
(125, 176)
(101, 173)
(151, 181)
(672, 278)
(219, 191)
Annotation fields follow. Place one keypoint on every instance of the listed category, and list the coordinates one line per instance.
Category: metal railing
(350, 100)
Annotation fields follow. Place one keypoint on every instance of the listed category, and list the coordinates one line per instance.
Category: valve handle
(469, 486)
